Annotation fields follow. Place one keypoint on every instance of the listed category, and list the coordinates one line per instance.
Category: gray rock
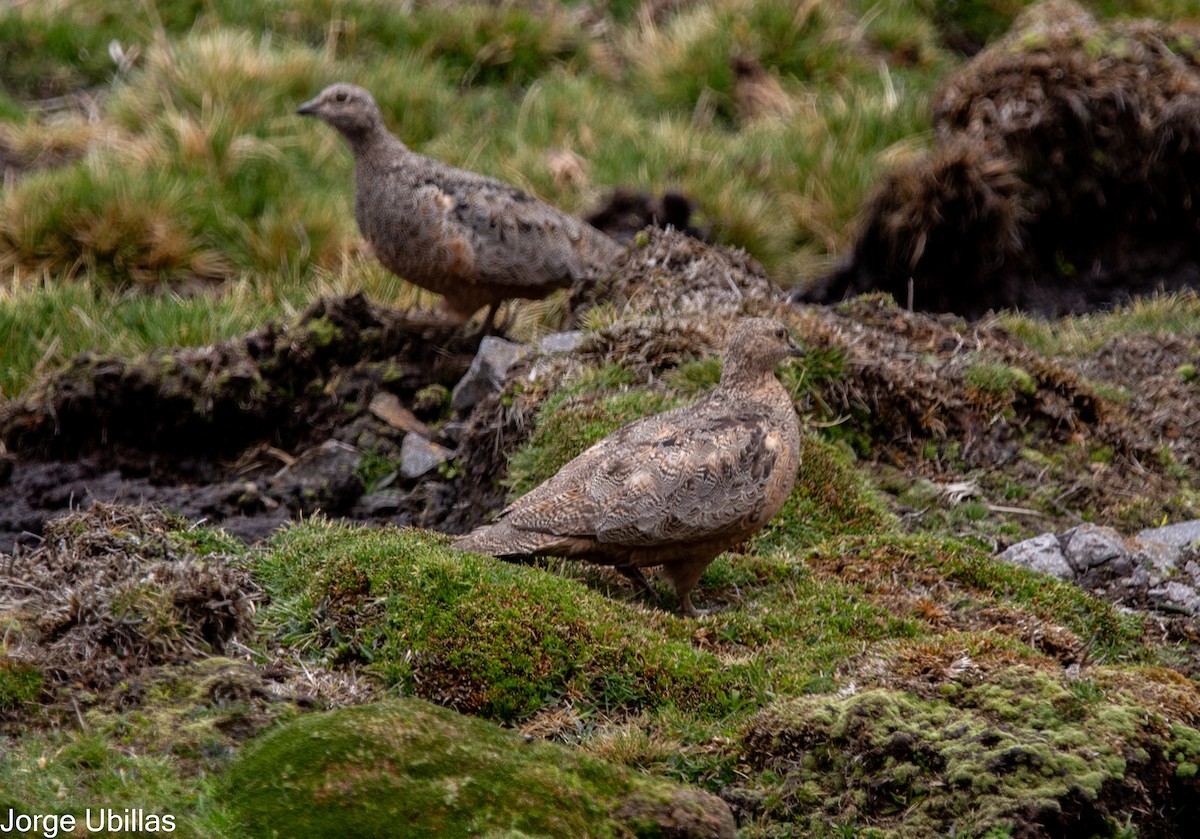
(1041, 553)
(1178, 535)
(324, 477)
(560, 342)
(419, 456)
(1181, 597)
(487, 371)
(1147, 573)
(1089, 545)
(382, 503)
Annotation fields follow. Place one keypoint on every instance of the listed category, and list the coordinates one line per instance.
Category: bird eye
(780, 332)
(341, 96)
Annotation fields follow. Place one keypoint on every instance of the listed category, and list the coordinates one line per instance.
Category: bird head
(348, 108)
(756, 347)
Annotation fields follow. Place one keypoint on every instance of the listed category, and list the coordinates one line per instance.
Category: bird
(674, 489)
(475, 240)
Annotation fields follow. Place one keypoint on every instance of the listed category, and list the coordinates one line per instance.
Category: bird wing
(517, 239)
(686, 474)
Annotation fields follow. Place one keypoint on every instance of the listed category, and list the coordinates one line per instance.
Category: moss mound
(1025, 754)
(479, 635)
(1061, 181)
(412, 769)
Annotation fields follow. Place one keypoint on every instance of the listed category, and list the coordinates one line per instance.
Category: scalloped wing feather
(687, 474)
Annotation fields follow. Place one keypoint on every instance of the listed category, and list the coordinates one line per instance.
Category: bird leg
(635, 575)
(683, 576)
(487, 327)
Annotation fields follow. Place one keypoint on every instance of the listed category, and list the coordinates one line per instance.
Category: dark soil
(244, 434)
(286, 421)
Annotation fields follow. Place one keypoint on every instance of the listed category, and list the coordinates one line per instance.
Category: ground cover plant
(188, 316)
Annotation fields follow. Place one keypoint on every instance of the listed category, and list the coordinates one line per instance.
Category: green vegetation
(489, 638)
(193, 171)
(1077, 336)
(412, 769)
(863, 672)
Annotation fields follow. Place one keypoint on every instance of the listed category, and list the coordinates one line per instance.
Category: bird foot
(689, 611)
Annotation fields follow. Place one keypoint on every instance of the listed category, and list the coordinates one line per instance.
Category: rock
(1089, 545)
(385, 502)
(324, 477)
(419, 456)
(1041, 553)
(1143, 572)
(487, 372)
(387, 407)
(1178, 535)
(560, 342)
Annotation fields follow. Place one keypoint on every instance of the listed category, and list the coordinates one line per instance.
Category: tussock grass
(195, 170)
(1079, 335)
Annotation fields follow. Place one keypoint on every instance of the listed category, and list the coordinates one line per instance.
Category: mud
(244, 434)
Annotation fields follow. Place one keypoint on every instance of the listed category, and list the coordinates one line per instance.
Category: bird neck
(373, 141)
(737, 375)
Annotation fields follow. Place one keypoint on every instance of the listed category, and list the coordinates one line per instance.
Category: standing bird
(674, 489)
(475, 240)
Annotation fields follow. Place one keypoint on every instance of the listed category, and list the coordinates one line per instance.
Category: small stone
(487, 371)
(560, 342)
(387, 407)
(419, 456)
(1041, 553)
(324, 477)
(1178, 535)
(381, 503)
(1089, 545)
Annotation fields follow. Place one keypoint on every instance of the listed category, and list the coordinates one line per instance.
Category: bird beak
(795, 350)
(308, 109)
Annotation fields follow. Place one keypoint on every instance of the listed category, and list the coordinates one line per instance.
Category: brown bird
(675, 489)
(475, 240)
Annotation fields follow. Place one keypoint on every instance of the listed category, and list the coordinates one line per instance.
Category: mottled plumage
(675, 489)
(475, 240)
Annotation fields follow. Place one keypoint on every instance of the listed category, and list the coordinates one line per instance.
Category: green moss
(998, 383)
(322, 332)
(411, 769)
(20, 684)
(490, 637)
(922, 767)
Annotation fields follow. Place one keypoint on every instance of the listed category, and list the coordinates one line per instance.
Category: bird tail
(502, 539)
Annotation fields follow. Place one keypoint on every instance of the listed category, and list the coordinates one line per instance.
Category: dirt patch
(1062, 179)
(313, 415)
(245, 433)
